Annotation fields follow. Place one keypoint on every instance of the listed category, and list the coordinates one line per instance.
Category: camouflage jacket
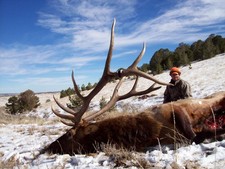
(180, 90)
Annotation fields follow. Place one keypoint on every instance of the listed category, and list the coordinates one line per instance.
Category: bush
(26, 101)
(103, 103)
(13, 106)
(75, 102)
(48, 100)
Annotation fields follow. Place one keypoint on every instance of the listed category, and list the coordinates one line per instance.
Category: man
(180, 90)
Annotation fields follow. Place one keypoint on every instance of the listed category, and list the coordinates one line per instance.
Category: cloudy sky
(42, 41)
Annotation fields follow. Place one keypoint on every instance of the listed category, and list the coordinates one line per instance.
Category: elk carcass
(138, 131)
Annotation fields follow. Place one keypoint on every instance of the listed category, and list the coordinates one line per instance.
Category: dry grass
(125, 158)
(6, 118)
(11, 163)
(20, 119)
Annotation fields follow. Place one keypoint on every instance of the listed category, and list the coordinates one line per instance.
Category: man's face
(175, 76)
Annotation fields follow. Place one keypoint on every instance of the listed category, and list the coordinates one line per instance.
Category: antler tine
(133, 70)
(67, 123)
(133, 91)
(63, 107)
(109, 56)
(111, 103)
(68, 117)
(115, 97)
(137, 60)
(76, 87)
(150, 89)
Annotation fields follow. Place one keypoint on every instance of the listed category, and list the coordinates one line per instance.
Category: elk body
(161, 123)
(157, 125)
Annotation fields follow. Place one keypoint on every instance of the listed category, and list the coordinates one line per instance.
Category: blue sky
(42, 41)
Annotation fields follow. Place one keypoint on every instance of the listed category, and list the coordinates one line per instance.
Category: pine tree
(13, 106)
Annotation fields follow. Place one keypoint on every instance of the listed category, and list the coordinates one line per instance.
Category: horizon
(43, 41)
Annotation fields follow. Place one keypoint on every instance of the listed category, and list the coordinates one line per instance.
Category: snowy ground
(20, 143)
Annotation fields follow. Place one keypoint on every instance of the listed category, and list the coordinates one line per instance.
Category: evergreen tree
(75, 102)
(157, 59)
(13, 106)
(209, 49)
(145, 67)
(197, 50)
(89, 86)
(184, 54)
(67, 92)
(83, 88)
(219, 42)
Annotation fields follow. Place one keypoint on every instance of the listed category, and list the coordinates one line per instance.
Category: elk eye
(119, 72)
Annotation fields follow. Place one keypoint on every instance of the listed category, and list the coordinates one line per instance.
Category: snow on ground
(21, 143)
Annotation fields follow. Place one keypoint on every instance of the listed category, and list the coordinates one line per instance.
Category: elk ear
(90, 129)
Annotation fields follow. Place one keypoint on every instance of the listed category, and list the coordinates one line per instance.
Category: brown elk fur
(130, 131)
(190, 114)
(144, 129)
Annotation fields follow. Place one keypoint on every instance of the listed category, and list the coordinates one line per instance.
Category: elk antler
(116, 97)
(107, 75)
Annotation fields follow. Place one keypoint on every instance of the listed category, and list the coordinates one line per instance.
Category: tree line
(184, 54)
(164, 59)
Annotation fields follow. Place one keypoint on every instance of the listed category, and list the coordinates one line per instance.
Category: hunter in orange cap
(175, 70)
(180, 90)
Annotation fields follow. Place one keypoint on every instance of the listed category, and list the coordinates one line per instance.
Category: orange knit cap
(175, 70)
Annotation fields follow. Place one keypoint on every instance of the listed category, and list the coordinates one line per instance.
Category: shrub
(48, 100)
(26, 101)
(103, 103)
(13, 105)
(75, 102)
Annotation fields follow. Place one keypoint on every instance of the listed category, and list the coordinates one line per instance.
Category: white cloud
(38, 60)
(89, 23)
(186, 21)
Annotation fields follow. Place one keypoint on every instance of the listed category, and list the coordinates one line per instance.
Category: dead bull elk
(137, 131)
